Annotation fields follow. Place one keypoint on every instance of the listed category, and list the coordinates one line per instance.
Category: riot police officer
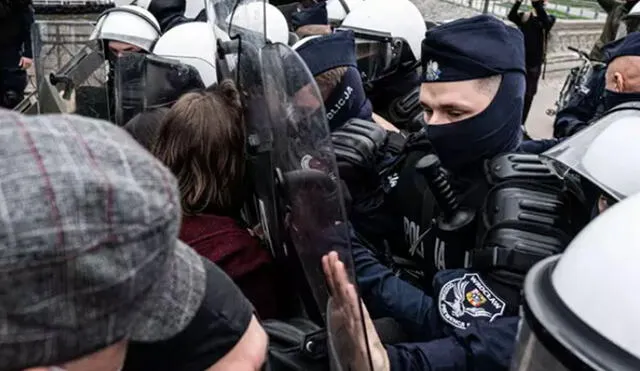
(140, 36)
(562, 328)
(608, 86)
(471, 320)
(16, 18)
(389, 36)
(472, 97)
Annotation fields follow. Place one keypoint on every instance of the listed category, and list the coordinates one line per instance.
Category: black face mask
(613, 98)
(495, 130)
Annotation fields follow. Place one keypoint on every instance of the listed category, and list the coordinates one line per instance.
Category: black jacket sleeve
(481, 347)
(546, 20)
(27, 24)
(513, 13)
(169, 13)
(581, 108)
(607, 5)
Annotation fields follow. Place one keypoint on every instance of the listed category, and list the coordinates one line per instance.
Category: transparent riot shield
(308, 187)
(223, 16)
(238, 59)
(71, 72)
(606, 153)
(146, 81)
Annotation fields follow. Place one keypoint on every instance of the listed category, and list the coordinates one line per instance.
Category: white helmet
(336, 11)
(400, 18)
(129, 24)
(579, 308)
(606, 153)
(251, 16)
(192, 43)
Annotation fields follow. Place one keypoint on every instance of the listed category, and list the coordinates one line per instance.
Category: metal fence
(52, 3)
(55, 43)
(501, 8)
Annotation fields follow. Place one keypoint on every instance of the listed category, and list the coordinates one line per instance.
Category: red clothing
(223, 241)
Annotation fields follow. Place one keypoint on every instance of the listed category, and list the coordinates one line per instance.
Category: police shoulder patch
(464, 299)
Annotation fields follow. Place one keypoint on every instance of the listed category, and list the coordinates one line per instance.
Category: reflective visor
(604, 153)
(375, 59)
(378, 54)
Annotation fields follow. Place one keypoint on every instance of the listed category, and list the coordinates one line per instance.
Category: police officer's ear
(618, 82)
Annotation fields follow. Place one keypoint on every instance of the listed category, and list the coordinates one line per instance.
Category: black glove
(358, 145)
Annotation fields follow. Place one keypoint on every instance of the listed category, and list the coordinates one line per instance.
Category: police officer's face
(448, 102)
(118, 48)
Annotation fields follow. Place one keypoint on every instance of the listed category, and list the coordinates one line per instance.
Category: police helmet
(128, 24)
(194, 44)
(606, 153)
(579, 308)
(400, 18)
(337, 10)
(252, 16)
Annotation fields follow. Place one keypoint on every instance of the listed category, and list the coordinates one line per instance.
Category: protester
(202, 140)
(92, 267)
(16, 57)
(535, 26)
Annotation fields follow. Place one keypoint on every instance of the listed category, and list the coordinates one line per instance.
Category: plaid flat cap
(89, 253)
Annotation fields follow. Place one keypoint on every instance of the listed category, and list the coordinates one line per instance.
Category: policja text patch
(463, 299)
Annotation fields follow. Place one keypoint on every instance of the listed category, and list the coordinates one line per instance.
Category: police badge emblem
(432, 72)
(475, 298)
(463, 299)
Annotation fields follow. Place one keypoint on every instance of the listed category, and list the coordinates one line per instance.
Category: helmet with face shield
(251, 17)
(575, 305)
(130, 25)
(183, 59)
(194, 44)
(573, 312)
(387, 33)
(606, 153)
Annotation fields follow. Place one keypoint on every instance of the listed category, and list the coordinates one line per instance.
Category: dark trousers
(533, 75)
(13, 79)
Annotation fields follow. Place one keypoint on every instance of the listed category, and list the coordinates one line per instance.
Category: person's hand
(25, 63)
(346, 305)
(384, 123)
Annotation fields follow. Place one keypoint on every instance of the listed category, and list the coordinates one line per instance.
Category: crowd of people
(129, 245)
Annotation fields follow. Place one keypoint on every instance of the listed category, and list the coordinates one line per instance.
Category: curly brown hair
(202, 141)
